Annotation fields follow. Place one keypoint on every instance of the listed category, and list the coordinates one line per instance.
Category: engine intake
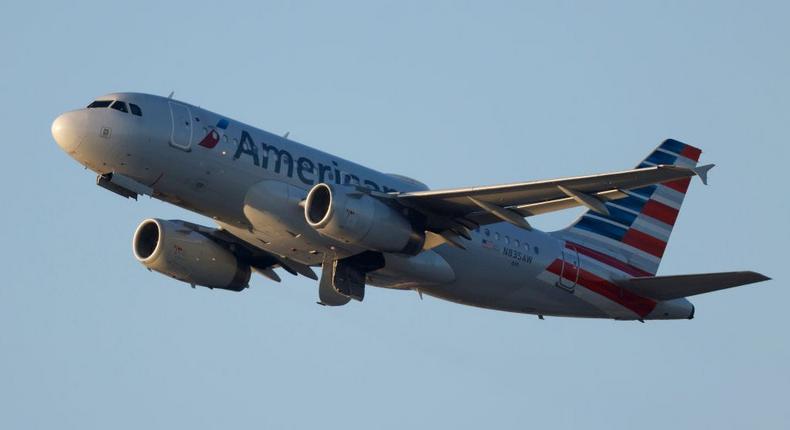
(176, 250)
(356, 218)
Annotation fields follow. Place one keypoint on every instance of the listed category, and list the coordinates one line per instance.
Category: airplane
(279, 204)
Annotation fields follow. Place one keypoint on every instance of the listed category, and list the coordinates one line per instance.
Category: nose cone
(66, 132)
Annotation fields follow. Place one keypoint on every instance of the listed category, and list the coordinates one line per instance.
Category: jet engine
(175, 249)
(354, 217)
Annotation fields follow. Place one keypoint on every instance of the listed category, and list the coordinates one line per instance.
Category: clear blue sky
(452, 93)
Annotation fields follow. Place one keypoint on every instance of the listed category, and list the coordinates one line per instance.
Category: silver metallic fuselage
(161, 150)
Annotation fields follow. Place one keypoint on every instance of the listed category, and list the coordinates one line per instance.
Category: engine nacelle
(176, 250)
(356, 218)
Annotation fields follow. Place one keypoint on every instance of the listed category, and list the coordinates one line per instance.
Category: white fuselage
(251, 182)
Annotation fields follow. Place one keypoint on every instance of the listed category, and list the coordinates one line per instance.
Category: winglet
(702, 172)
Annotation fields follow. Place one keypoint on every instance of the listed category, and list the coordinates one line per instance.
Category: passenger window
(507, 240)
(119, 105)
(488, 232)
(516, 243)
(135, 109)
(496, 236)
(99, 104)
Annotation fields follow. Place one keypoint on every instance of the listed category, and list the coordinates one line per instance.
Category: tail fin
(637, 228)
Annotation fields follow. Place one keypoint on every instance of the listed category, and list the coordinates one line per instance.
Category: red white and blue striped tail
(633, 237)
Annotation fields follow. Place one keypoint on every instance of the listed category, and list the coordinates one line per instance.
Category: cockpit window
(100, 104)
(135, 109)
(119, 105)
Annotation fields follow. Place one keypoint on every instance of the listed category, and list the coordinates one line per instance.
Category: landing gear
(344, 279)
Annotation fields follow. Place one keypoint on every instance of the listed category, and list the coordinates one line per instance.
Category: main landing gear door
(181, 120)
(327, 294)
(344, 279)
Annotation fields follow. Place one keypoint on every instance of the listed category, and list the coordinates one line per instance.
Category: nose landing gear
(122, 185)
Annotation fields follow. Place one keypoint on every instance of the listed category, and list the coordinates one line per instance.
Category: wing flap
(677, 286)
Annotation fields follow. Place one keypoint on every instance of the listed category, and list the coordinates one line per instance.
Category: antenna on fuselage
(285, 136)
(171, 94)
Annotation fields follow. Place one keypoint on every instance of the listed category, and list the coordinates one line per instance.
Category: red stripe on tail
(691, 152)
(661, 212)
(681, 185)
(638, 304)
(645, 242)
(608, 260)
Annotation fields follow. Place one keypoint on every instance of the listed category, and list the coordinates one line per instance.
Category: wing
(260, 260)
(471, 207)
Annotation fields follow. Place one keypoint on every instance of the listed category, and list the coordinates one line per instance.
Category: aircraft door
(569, 275)
(181, 120)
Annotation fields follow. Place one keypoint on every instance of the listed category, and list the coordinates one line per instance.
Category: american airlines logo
(212, 138)
(281, 161)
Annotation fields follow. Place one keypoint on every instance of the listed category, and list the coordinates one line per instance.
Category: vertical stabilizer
(633, 235)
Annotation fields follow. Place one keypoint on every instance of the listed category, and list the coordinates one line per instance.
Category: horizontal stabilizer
(675, 287)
